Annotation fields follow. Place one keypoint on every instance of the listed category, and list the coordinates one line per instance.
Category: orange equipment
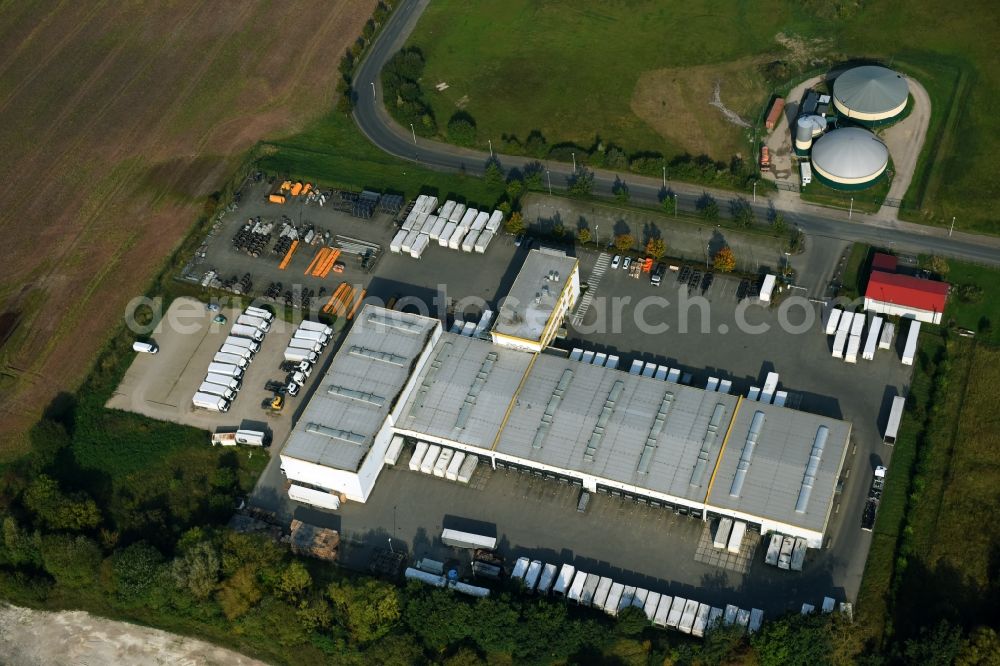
(288, 255)
(296, 189)
(320, 255)
(276, 198)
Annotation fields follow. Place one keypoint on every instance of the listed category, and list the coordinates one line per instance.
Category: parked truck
(311, 345)
(307, 325)
(298, 354)
(217, 389)
(259, 312)
(249, 332)
(242, 352)
(246, 343)
(224, 380)
(874, 498)
(225, 369)
(231, 359)
(211, 403)
(257, 322)
(315, 336)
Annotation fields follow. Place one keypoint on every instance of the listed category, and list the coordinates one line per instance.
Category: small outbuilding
(906, 296)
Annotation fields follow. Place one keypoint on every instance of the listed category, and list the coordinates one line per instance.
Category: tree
(742, 212)
(462, 129)
(134, 569)
(57, 510)
(725, 260)
(583, 235)
(669, 203)
(631, 621)
(239, 593)
(982, 649)
(294, 582)
(558, 230)
(934, 647)
(533, 173)
(938, 265)
(708, 208)
(315, 613)
(72, 560)
(620, 191)
(656, 248)
(515, 188)
(437, 617)
(197, 570)
(19, 547)
(494, 172)
(581, 183)
(796, 240)
(368, 610)
(624, 242)
(779, 222)
(515, 225)
(793, 639)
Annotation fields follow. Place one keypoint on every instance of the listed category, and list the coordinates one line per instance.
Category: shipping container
(614, 598)
(419, 451)
(408, 242)
(575, 592)
(756, 619)
(736, 536)
(468, 468)
(722, 531)
(845, 322)
(483, 241)
(774, 115)
(496, 219)
(396, 244)
(885, 340)
(798, 554)
(840, 344)
(446, 234)
(417, 250)
(459, 539)
(858, 324)
(532, 575)
(395, 447)
(467, 219)
(688, 616)
(565, 580)
(455, 242)
(547, 578)
(652, 601)
(456, 464)
(729, 616)
(701, 620)
(590, 589)
(446, 209)
(520, 568)
(601, 593)
(773, 549)
(785, 555)
(832, 320)
(853, 346)
(457, 213)
(662, 611)
(469, 243)
(676, 612)
(910, 350)
(480, 222)
(427, 466)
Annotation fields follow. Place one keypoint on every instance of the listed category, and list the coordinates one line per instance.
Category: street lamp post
(664, 176)
(414, 133)
(491, 146)
(373, 90)
(549, 176)
(850, 213)
(952, 227)
(755, 191)
(675, 205)
(574, 162)
(597, 230)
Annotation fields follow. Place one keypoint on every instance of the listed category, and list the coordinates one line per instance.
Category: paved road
(384, 132)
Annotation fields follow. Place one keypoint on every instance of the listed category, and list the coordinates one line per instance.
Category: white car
(145, 347)
(626, 263)
(617, 260)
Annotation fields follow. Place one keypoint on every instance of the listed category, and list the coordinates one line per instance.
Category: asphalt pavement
(814, 221)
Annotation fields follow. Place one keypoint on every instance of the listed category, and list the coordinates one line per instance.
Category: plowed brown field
(118, 118)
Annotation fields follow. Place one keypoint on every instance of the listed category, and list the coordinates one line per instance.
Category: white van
(145, 347)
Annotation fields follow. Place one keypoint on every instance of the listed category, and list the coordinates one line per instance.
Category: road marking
(600, 268)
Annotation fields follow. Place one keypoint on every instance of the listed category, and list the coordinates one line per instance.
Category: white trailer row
(658, 372)
(454, 227)
(442, 462)
(601, 592)
(848, 328)
(729, 534)
(223, 379)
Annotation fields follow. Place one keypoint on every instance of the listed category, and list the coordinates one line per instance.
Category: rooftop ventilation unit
(744, 465)
(602, 420)
(701, 465)
(335, 433)
(809, 478)
(477, 385)
(360, 396)
(429, 376)
(654, 433)
(376, 355)
(551, 407)
(396, 322)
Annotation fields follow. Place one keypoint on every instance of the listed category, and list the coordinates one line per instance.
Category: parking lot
(631, 318)
(538, 518)
(439, 279)
(161, 385)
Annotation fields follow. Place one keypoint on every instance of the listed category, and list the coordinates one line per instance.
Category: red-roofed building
(906, 296)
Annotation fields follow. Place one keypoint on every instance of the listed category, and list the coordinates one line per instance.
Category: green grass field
(333, 152)
(624, 71)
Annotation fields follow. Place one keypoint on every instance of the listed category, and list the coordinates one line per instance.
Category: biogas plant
(834, 129)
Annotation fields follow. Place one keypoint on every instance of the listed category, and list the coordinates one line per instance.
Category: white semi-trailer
(211, 403)
(459, 539)
(833, 318)
(910, 350)
(249, 332)
(231, 359)
(217, 389)
(840, 343)
(246, 343)
(227, 369)
(257, 322)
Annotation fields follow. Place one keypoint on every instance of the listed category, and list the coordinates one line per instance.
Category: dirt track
(38, 638)
(117, 123)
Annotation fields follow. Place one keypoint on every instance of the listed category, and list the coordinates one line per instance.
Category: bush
(581, 183)
(135, 568)
(515, 225)
(624, 242)
(725, 260)
(656, 248)
(708, 208)
(462, 129)
(72, 560)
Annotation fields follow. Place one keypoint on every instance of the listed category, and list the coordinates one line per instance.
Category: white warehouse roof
(530, 305)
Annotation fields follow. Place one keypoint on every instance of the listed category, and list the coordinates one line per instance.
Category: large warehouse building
(870, 95)
(849, 158)
(701, 452)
